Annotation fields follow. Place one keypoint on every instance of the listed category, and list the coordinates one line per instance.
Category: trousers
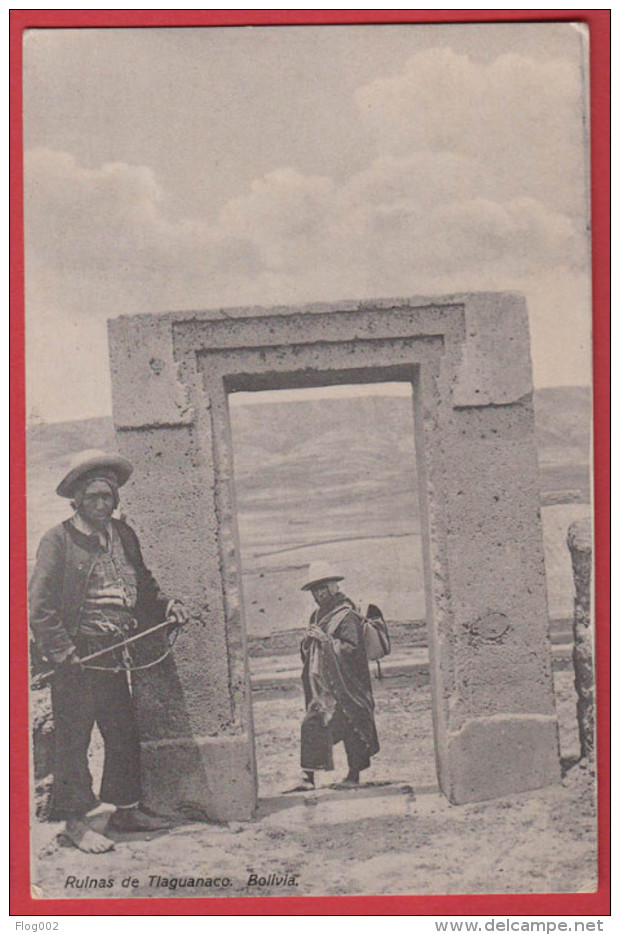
(340, 728)
(317, 741)
(82, 698)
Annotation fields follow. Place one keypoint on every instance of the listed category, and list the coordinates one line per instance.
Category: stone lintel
(495, 367)
(318, 308)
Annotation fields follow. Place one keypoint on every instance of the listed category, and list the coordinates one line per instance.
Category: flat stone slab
(331, 807)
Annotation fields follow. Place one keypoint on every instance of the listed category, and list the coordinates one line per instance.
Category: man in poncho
(336, 681)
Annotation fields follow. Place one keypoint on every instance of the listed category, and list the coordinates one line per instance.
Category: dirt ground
(396, 834)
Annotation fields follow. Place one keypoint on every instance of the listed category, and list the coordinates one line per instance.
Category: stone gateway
(468, 360)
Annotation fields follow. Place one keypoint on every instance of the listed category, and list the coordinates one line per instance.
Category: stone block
(200, 778)
(496, 756)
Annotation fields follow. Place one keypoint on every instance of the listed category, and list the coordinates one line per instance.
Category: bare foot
(304, 785)
(352, 781)
(89, 841)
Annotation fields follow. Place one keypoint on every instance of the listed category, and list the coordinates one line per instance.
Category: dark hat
(85, 462)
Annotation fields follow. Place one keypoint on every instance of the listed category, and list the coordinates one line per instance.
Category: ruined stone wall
(579, 541)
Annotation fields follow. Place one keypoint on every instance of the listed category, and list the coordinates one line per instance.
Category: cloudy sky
(171, 169)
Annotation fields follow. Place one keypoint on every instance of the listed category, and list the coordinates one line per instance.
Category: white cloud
(71, 212)
(474, 189)
(284, 215)
(520, 119)
(393, 221)
(421, 177)
(399, 214)
(107, 226)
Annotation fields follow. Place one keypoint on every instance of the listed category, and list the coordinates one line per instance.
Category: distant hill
(317, 469)
(563, 431)
(337, 477)
(341, 468)
(51, 442)
(563, 417)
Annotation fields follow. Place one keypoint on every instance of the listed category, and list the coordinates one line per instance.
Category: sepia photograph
(309, 479)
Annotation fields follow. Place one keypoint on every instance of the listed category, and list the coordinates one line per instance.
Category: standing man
(336, 681)
(90, 589)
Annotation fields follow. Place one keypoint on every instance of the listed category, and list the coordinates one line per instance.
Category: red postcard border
(597, 903)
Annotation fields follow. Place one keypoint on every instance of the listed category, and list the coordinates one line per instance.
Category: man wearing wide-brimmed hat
(90, 589)
(336, 681)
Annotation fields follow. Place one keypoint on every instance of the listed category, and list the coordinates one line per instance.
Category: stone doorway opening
(467, 357)
(330, 472)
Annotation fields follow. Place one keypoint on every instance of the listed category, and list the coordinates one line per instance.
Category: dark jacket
(57, 590)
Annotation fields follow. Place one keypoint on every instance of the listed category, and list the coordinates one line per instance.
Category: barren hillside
(337, 478)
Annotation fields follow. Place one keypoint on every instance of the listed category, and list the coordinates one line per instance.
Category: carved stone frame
(468, 360)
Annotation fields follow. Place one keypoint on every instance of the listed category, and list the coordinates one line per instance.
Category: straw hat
(320, 572)
(85, 462)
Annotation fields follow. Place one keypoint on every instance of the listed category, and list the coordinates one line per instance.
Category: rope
(40, 679)
(128, 667)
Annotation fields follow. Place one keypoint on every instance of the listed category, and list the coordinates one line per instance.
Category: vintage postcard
(309, 461)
